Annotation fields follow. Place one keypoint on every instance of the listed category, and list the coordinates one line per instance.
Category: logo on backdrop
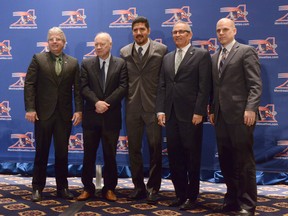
(44, 45)
(210, 45)
(237, 14)
(76, 19)
(177, 14)
(5, 110)
(122, 145)
(267, 114)
(284, 19)
(92, 53)
(76, 143)
(5, 49)
(165, 150)
(19, 84)
(125, 18)
(25, 142)
(26, 20)
(283, 154)
(284, 86)
(266, 48)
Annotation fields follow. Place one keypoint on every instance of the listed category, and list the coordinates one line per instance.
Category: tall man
(48, 90)
(103, 86)
(236, 97)
(143, 58)
(182, 100)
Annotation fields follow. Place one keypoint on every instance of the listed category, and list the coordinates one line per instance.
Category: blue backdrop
(260, 23)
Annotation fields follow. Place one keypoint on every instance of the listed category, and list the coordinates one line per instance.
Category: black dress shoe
(226, 209)
(36, 195)
(152, 198)
(65, 194)
(176, 202)
(137, 195)
(188, 205)
(244, 212)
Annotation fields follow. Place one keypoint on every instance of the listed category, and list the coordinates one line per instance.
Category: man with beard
(144, 58)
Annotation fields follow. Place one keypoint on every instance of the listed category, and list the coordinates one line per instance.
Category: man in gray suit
(51, 82)
(182, 101)
(234, 110)
(144, 58)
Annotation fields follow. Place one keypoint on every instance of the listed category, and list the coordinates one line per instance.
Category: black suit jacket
(240, 85)
(44, 91)
(187, 91)
(92, 92)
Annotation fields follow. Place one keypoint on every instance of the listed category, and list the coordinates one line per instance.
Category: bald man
(234, 111)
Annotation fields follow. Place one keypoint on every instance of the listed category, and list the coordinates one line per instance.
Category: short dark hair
(141, 19)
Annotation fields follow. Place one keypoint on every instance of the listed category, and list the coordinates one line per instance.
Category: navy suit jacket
(188, 90)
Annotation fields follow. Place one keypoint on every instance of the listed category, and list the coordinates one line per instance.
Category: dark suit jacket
(188, 90)
(44, 91)
(92, 91)
(143, 81)
(240, 85)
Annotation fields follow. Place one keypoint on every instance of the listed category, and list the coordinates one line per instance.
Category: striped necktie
(223, 58)
(178, 60)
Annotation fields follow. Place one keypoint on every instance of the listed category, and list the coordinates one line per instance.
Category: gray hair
(57, 30)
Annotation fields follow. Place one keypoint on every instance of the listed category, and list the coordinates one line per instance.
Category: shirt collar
(145, 46)
(229, 46)
(107, 60)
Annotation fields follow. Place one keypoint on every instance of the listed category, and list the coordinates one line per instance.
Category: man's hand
(101, 107)
(31, 116)
(249, 118)
(161, 120)
(197, 119)
(212, 119)
(77, 118)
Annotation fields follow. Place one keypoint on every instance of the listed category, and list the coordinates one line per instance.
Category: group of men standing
(162, 90)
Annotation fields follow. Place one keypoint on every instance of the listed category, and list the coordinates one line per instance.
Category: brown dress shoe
(84, 196)
(110, 195)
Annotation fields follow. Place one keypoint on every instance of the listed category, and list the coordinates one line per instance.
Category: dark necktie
(58, 66)
(223, 58)
(103, 75)
(140, 49)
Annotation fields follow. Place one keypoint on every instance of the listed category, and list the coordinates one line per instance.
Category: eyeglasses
(180, 32)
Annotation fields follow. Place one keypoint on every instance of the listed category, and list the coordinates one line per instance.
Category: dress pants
(109, 140)
(136, 123)
(184, 144)
(236, 157)
(44, 130)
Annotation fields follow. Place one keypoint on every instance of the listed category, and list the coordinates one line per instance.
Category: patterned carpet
(15, 199)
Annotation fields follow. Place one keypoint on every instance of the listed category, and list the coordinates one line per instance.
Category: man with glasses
(144, 59)
(52, 81)
(181, 106)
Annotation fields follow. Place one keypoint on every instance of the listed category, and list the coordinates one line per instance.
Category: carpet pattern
(15, 199)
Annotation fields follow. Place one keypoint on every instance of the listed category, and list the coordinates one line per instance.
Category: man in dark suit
(182, 100)
(103, 86)
(143, 58)
(48, 90)
(236, 97)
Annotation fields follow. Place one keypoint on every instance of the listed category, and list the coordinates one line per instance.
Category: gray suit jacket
(240, 85)
(143, 81)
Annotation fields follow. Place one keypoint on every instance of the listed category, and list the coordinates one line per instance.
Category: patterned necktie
(178, 59)
(103, 75)
(58, 65)
(223, 58)
(140, 49)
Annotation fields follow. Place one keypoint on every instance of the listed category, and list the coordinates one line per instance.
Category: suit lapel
(188, 55)
(112, 65)
(230, 56)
